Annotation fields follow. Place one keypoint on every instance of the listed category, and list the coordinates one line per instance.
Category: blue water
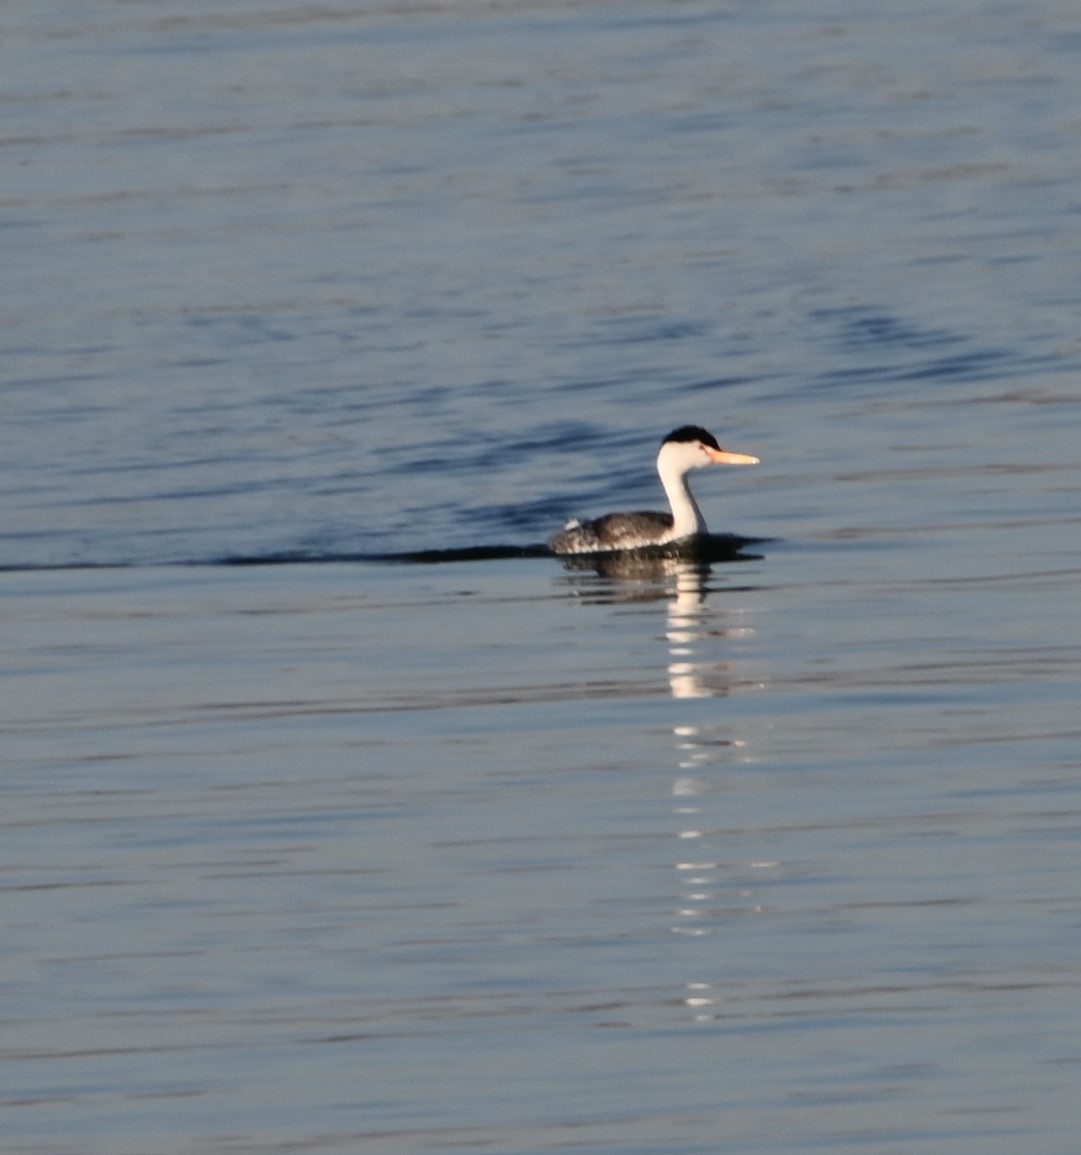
(777, 856)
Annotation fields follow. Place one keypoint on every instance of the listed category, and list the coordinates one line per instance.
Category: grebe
(686, 448)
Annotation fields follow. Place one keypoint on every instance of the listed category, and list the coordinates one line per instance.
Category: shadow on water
(632, 563)
(636, 563)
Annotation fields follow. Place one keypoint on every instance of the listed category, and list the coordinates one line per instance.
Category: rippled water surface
(335, 851)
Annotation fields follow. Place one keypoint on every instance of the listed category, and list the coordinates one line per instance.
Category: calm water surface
(345, 855)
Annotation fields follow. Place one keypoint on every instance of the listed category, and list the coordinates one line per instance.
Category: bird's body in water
(689, 447)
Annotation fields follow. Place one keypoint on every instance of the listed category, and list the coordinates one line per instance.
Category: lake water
(334, 851)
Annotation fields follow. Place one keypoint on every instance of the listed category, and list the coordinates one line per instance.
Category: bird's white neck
(687, 518)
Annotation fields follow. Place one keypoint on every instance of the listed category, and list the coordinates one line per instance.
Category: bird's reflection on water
(706, 644)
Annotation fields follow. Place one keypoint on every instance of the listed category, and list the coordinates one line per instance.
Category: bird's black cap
(692, 433)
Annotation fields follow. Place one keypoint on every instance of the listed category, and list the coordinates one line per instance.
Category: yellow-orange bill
(723, 457)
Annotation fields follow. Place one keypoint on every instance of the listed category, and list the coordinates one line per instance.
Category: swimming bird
(686, 448)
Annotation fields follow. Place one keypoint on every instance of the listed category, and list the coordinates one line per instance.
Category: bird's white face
(684, 455)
